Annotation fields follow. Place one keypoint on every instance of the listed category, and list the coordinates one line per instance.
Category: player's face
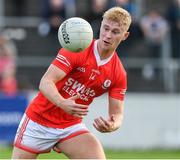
(111, 34)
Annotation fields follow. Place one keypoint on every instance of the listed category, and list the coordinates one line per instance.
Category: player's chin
(106, 46)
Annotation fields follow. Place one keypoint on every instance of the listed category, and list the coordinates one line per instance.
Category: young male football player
(53, 120)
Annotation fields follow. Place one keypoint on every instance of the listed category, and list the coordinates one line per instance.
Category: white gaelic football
(75, 34)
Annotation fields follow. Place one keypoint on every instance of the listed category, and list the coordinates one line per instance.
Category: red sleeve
(119, 88)
(65, 60)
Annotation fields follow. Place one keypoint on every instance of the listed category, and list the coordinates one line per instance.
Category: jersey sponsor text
(72, 87)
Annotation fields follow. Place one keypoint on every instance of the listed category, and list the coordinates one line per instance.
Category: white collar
(98, 59)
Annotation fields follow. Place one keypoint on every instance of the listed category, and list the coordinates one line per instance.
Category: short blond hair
(119, 15)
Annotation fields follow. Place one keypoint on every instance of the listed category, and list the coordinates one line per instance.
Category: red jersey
(87, 75)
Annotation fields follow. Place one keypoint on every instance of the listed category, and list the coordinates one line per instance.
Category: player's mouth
(106, 43)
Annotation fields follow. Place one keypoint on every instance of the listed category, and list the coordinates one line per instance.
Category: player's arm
(114, 121)
(47, 84)
(49, 90)
(116, 112)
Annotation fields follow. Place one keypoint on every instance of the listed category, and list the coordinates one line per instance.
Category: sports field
(5, 153)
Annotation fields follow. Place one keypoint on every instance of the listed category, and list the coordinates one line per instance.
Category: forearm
(49, 90)
(116, 110)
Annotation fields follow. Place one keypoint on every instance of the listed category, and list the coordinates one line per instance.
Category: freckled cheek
(116, 42)
(102, 34)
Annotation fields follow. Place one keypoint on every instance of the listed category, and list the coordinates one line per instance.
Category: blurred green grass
(5, 153)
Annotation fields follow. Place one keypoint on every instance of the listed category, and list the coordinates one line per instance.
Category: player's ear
(126, 35)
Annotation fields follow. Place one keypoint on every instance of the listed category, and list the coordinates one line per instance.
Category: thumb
(112, 118)
(75, 97)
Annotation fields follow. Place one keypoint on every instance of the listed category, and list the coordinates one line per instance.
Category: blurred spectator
(83, 8)
(53, 15)
(19, 7)
(133, 9)
(154, 28)
(130, 6)
(135, 30)
(173, 16)
(54, 12)
(98, 7)
(8, 82)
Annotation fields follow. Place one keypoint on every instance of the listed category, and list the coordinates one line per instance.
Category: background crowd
(153, 23)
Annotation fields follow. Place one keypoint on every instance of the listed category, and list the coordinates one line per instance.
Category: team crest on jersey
(106, 84)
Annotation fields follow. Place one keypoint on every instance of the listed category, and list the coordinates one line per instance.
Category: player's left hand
(103, 125)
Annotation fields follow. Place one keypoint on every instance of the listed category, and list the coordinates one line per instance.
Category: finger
(101, 124)
(80, 113)
(97, 122)
(76, 110)
(77, 115)
(107, 123)
(80, 106)
(97, 128)
(75, 97)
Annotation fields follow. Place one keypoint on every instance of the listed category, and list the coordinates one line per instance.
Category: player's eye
(115, 32)
(106, 29)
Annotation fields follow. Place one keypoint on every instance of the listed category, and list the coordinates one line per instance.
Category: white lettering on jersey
(81, 69)
(69, 82)
(96, 71)
(63, 60)
(72, 87)
(88, 91)
(94, 74)
(77, 86)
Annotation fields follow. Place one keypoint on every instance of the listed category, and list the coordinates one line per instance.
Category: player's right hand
(71, 107)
